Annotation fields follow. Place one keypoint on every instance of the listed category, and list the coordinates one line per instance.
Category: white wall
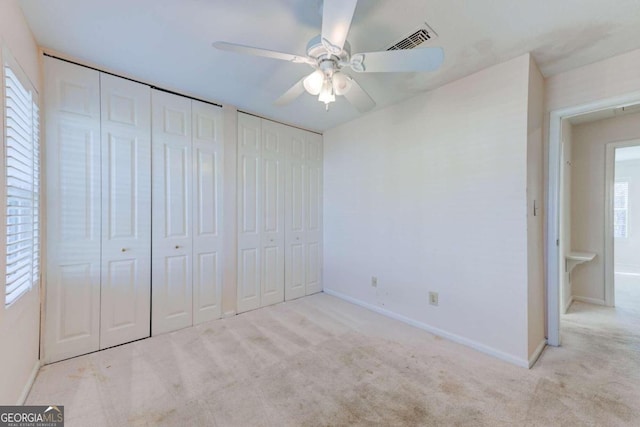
(565, 212)
(429, 195)
(587, 197)
(535, 225)
(19, 324)
(601, 80)
(627, 250)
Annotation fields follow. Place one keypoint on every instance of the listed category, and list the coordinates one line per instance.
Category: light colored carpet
(321, 361)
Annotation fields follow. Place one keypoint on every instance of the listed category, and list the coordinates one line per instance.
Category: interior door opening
(572, 256)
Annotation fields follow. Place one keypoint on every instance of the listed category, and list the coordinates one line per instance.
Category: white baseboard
(435, 331)
(566, 307)
(595, 301)
(536, 354)
(229, 314)
(29, 384)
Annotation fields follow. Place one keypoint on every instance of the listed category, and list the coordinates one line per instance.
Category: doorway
(558, 245)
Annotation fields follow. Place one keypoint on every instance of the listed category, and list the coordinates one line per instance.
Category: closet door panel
(272, 194)
(172, 235)
(126, 211)
(72, 315)
(250, 223)
(314, 213)
(207, 211)
(296, 192)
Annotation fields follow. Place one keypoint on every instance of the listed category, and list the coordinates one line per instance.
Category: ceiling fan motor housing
(327, 62)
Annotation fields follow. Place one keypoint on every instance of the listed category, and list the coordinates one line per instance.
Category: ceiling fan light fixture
(314, 82)
(341, 83)
(326, 94)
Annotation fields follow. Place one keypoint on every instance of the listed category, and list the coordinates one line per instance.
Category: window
(620, 209)
(22, 181)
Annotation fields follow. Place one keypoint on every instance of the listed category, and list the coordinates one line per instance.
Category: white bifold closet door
(98, 210)
(261, 192)
(187, 190)
(73, 185)
(313, 214)
(303, 214)
(126, 211)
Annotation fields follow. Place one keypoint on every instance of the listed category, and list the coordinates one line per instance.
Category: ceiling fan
(329, 53)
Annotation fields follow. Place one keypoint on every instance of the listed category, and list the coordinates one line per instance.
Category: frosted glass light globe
(313, 82)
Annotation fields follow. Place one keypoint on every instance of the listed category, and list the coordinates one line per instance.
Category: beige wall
(430, 195)
(601, 80)
(627, 250)
(19, 323)
(535, 191)
(588, 197)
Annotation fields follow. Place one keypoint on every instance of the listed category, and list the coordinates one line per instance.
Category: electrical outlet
(433, 298)
(374, 281)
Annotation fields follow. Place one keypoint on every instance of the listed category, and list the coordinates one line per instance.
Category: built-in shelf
(572, 259)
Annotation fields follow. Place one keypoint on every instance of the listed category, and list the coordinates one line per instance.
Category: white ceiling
(168, 43)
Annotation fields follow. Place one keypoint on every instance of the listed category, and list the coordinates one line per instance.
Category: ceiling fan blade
(294, 91)
(336, 21)
(421, 59)
(358, 97)
(249, 50)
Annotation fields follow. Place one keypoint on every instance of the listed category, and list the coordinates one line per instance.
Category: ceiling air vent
(415, 39)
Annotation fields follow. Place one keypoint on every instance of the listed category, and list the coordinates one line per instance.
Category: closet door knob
(123, 250)
(177, 246)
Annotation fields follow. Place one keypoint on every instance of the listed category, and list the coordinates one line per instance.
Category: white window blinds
(22, 179)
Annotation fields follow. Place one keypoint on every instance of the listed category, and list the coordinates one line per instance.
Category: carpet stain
(615, 407)
(151, 418)
(99, 377)
(258, 339)
(452, 388)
